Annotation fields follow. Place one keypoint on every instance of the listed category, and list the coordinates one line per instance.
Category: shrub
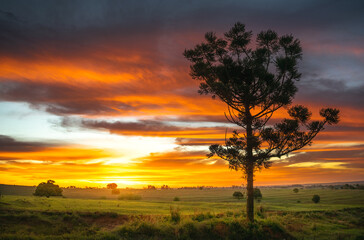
(202, 216)
(48, 189)
(112, 186)
(257, 194)
(215, 229)
(175, 215)
(129, 196)
(151, 187)
(316, 198)
(176, 199)
(238, 195)
(295, 190)
(115, 191)
(260, 211)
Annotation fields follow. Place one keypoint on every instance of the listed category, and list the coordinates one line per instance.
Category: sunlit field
(339, 214)
(190, 200)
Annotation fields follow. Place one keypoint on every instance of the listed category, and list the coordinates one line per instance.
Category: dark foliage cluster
(238, 195)
(257, 194)
(316, 198)
(48, 189)
(112, 186)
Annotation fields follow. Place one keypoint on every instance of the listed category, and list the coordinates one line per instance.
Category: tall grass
(175, 214)
(344, 224)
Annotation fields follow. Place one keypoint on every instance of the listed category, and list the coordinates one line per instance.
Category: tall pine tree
(255, 82)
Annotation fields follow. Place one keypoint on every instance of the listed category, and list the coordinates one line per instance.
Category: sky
(93, 92)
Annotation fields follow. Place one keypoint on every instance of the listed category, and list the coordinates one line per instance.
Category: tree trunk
(250, 167)
(250, 191)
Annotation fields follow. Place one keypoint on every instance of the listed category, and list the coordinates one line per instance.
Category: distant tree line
(338, 186)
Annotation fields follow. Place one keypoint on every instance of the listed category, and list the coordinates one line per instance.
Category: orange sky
(86, 102)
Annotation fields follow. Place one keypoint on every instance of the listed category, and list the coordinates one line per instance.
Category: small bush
(176, 199)
(260, 211)
(129, 196)
(295, 190)
(115, 191)
(199, 217)
(257, 194)
(316, 198)
(238, 195)
(175, 215)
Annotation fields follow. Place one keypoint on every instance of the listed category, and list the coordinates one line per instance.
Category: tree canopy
(112, 186)
(238, 195)
(256, 80)
(48, 189)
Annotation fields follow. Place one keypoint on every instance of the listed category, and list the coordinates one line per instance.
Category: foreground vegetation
(199, 214)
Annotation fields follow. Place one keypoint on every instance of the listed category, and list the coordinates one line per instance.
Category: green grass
(97, 214)
(214, 200)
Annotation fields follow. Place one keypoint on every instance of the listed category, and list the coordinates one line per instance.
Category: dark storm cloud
(66, 98)
(57, 30)
(68, 27)
(9, 144)
(141, 128)
(199, 141)
(333, 93)
(194, 118)
(180, 158)
(14, 151)
(58, 98)
(97, 33)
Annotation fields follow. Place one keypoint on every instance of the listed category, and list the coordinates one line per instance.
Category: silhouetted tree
(48, 189)
(295, 190)
(257, 194)
(255, 82)
(238, 195)
(316, 198)
(151, 187)
(112, 186)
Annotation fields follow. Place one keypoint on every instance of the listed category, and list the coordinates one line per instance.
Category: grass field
(339, 215)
